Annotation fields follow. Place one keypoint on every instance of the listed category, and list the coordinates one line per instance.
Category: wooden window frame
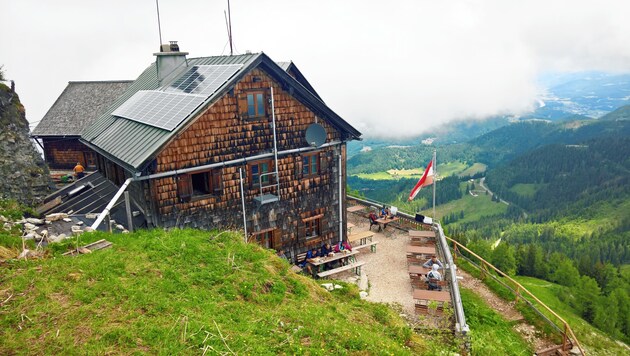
(253, 181)
(188, 185)
(308, 162)
(312, 226)
(249, 104)
(268, 238)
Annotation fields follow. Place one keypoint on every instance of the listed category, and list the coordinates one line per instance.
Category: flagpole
(434, 179)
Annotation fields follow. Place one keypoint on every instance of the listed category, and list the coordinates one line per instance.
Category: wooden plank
(51, 204)
(421, 233)
(340, 269)
(433, 295)
(355, 208)
(94, 246)
(417, 250)
(360, 235)
(415, 269)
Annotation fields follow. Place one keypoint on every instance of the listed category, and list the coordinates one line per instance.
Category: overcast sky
(387, 67)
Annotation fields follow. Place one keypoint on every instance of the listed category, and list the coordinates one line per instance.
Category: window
(258, 169)
(312, 228)
(268, 238)
(310, 164)
(252, 104)
(198, 185)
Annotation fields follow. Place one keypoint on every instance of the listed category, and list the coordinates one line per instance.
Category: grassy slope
(491, 334)
(183, 292)
(594, 341)
(474, 208)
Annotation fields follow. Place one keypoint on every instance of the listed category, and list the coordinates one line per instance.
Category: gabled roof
(78, 106)
(293, 70)
(133, 144)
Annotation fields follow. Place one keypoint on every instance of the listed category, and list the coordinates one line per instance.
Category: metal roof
(78, 106)
(132, 144)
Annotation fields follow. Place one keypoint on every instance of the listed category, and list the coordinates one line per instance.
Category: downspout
(240, 175)
(340, 203)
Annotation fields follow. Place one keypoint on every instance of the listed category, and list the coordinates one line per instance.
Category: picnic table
(422, 233)
(362, 237)
(382, 222)
(419, 238)
(419, 254)
(355, 208)
(349, 226)
(320, 261)
(424, 297)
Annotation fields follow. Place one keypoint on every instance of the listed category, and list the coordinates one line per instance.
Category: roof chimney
(168, 59)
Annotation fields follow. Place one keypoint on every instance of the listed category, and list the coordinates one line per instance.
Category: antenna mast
(228, 24)
(159, 26)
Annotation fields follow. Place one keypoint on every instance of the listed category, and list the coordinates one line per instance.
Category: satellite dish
(315, 135)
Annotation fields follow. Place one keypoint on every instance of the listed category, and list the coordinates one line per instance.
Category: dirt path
(506, 309)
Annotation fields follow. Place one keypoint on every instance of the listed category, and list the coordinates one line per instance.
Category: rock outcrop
(25, 176)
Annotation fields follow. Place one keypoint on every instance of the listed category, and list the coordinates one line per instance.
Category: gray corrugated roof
(78, 106)
(133, 144)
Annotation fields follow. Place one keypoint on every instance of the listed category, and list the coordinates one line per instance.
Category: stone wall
(24, 174)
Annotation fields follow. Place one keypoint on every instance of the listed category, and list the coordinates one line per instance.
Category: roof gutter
(233, 162)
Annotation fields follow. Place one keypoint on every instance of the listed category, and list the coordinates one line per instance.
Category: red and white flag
(427, 179)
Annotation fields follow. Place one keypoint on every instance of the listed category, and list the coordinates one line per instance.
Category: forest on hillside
(567, 189)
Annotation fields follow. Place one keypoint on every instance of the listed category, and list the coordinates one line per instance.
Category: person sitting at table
(433, 261)
(373, 219)
(307, 263)
(384, 212)
(342, 245)
(282, 255)
(433, 277)
(326, 250)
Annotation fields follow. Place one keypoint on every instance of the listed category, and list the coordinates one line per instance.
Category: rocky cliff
(23, 174)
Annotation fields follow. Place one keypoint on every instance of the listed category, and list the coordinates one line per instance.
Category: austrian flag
(427, 179)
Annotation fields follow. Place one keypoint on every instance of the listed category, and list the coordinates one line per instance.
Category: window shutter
(241, 102)
(184, 188)
(277, 239)
(323, 226)
(267, 101)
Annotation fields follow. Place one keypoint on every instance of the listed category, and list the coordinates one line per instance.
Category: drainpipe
(340, 203)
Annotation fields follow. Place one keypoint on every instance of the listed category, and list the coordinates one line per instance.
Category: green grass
(474, 169)
(474, 208)
(376, 176)
(450, 168)
(490, 334)
(444, 170)
(182, 292)
(526, 190)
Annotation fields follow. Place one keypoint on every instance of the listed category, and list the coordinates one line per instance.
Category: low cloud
(393, 69)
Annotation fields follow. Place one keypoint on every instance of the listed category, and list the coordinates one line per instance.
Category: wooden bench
(361, 237)
(371, 244)
(356, 266)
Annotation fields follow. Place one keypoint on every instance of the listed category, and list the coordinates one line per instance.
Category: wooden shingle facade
(192, 176)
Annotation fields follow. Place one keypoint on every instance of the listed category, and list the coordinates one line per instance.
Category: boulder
(67, 219)
(35, 221)
(55, 238)
(29, 226)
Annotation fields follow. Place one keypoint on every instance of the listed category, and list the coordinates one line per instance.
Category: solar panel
(159, 109)
(203, 79)
(168, 107)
